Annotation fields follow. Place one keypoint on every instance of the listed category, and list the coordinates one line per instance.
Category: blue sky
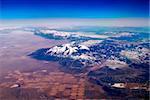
(25, 9)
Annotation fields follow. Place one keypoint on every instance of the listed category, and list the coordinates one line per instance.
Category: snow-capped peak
(67, 49)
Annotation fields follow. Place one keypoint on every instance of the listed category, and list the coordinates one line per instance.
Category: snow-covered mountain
(74, 53)
(72, 50)
(51, 33)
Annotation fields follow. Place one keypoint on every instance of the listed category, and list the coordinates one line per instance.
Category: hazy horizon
(62, 22)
